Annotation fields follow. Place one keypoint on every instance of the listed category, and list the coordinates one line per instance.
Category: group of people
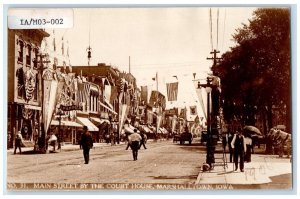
(240, 148)
(135, 141)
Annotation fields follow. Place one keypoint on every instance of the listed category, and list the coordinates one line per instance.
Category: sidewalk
(64, 148)
(67, 147)
(259, 171)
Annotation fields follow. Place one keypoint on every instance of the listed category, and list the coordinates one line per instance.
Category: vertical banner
(124, 112)
(50, 89)
(199, 94)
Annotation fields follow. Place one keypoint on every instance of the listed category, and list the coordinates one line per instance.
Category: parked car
(186, 136)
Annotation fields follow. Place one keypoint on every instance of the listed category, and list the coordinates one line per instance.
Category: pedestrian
(18, 142)
(134, 140)
(248, 142)
(230, 137)
(144, 140)
(239, 146)
(52, 141)
(112, 138)
(86, 144)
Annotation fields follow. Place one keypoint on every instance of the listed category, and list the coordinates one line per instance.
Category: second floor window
(28, 55)
(20, 51)
(35, 59)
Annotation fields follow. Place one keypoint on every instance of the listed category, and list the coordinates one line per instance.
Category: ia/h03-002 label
(40, 18)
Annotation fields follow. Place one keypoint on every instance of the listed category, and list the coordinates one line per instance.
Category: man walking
(144, 140)
(134, 141)
(86, 144)
(239, 146)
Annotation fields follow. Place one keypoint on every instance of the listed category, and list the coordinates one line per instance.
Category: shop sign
(71, 108)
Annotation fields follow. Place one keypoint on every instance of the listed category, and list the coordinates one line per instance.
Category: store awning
(99, 121)
(108, 108)
(65, 123)
(88, 123)
(130, 129)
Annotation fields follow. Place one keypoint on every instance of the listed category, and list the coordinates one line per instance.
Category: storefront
(92, 128)
(24, 118)
(70, 131)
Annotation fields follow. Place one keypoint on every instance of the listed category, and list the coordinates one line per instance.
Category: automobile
(186, 136)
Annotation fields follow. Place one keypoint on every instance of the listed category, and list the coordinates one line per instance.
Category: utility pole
(129, 65)
(214, 58)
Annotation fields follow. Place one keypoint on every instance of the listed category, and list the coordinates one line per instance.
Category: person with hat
(134, 141)
(18, 142)
(86, 144)
(239, 146)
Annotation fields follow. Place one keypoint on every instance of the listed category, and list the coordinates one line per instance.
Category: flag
(114, 94)
(83, 92)
(53, 42)
(172, 91)
(107, 92)
(68, 55)
(183, 113)
(144, 94)
(197, 120)
(157, 99)
(62, 46)
(193, 110)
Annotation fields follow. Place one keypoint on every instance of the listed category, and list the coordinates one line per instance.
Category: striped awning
(65, 123)
(86, 122)
(108, 108)
(100, 121)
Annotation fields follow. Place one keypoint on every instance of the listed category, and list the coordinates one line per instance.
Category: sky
(168, 41)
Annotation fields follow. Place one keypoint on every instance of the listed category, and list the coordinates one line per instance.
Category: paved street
(162, 162)
(166, 164)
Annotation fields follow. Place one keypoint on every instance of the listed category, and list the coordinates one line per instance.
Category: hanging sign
(71, 108)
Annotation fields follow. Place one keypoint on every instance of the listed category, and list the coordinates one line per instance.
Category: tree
(255, 74)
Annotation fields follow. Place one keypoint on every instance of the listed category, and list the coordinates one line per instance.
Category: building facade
(24, 83)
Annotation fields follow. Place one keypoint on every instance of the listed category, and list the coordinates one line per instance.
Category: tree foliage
(255, 74)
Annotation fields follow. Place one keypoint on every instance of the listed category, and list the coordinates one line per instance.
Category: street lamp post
(209, 143)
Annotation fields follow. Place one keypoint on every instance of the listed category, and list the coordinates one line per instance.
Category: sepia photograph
(161, 98)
